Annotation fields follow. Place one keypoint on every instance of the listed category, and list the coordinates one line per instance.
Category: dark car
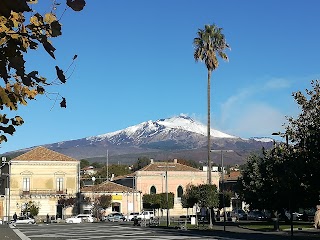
(256, 215)
(239, 214)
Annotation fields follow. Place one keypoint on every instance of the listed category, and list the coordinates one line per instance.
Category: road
(118, 231)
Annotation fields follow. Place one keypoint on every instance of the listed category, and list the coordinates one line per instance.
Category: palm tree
(209, 44)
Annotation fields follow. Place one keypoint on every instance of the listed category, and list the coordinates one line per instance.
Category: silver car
(24, 219)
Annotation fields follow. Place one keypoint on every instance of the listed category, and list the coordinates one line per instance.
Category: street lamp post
(93, 180)
(7, 189)
(222, 183)
(167, 197)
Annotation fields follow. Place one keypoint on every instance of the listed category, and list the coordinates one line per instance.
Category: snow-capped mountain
(158, 130)
(176, 137)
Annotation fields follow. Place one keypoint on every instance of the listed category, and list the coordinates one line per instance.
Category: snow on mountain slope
(262, 139)
(159, 128)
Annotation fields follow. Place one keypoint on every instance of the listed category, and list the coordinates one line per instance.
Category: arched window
(153, 190)
(180, 191)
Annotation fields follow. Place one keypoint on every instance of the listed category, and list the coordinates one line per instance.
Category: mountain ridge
(175, 137)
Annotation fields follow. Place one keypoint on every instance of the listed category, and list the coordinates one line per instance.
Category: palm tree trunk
(208, 130)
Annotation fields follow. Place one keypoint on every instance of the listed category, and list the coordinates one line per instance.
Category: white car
(131, 216)
(24, 219)
(80, 218)
(146, 215)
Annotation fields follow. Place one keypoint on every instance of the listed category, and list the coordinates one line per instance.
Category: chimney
(151, 160)
(175, 160)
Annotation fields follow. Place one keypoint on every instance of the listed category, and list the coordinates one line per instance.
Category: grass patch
(263, 226)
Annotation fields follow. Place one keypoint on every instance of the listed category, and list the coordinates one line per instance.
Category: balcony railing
(36, 192)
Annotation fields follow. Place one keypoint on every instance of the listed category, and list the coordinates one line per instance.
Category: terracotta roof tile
(107, 186)
(161, 166)
(43, 154)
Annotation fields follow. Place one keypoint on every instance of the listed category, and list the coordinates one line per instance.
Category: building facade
(41, 177)
(123, 199)
(162, 177)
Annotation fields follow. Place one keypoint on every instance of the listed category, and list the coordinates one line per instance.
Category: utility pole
(222, 185)
(107, 165)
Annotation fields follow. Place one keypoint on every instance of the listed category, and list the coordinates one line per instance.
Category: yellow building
(41, 176)
(123, 199)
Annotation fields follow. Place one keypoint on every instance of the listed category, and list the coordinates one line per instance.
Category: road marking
(20, 234)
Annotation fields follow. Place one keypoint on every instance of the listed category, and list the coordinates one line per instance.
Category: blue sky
(135, 63)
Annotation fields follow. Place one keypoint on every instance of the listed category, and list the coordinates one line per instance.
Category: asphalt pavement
(8, 232)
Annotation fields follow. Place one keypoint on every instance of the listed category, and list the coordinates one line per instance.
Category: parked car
(115, 217)
(256, 215)
(24, 219)
(80, 218)
(239, 214)
(146, 215)
(131, 216)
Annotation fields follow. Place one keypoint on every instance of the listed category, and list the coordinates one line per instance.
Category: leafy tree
(97, 165)
(189, 198)
(32, 208)
(116, 169)
(208, 195)
(164, 204)
(67, 202)
(190, 163)
(17, 37)
(158, 201)
(227, 199)
(84, 163)
(304, 132)
(104, 201)
(209, 44)
(203, 195)
(140, 163)
(272, 181)
(151, 201)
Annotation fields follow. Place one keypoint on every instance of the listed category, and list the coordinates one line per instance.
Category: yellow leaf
(32, 1)
(34, 20)
(2, 41)
(16, 18)
(6, 100)
(49, 18)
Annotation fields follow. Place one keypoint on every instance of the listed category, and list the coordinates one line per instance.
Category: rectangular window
(26, 184)
(59, 184)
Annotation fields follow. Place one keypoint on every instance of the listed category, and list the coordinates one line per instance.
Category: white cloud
(277, 83)
(257, 119)
(245, 116)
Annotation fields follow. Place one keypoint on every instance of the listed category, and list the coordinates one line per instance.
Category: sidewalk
(7, 233)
